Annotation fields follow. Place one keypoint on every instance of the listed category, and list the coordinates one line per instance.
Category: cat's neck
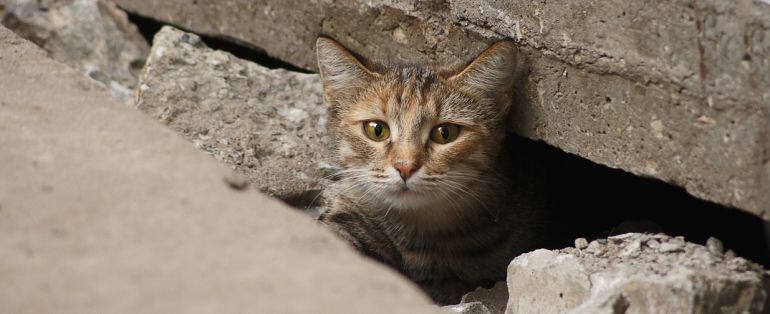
(483, 203)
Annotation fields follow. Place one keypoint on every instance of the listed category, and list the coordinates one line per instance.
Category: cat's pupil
(378, 130)
(444, 132)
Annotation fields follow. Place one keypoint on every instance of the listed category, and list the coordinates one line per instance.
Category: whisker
(459, 188)
(341, 181)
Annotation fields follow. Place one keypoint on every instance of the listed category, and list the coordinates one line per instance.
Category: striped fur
(466, 211)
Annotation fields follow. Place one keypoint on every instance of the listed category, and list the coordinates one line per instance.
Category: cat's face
(410, 138)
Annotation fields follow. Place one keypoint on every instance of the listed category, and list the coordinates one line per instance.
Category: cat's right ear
(491, 74)
(341, 73)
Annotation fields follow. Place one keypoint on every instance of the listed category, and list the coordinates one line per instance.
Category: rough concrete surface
(103, 210)
(91, 35)
(636, 273)
(672, 90)
(270, 125)
(482, 301)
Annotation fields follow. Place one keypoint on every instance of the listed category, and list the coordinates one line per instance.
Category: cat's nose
(406, 169)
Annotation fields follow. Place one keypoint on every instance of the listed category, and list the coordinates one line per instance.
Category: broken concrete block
(466, 308)
(93, 36)
(270, 125)
(104, 210)
(671, 90)
(564, 283)
(482, 301)
(635, 273)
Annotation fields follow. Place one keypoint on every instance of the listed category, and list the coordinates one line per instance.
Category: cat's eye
(376, 131)
(445, 133)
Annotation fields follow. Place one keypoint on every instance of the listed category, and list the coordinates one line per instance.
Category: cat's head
(408, 136)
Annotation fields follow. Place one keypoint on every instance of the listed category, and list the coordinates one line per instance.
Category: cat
(428, 186)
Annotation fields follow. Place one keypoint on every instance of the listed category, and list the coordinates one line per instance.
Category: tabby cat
(426, 186)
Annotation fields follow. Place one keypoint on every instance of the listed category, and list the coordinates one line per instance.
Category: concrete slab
(104, 210)
(675, 91)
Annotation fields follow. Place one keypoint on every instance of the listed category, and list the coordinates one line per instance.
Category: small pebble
(581, 243)
(595, 248)
(619, 238)
(715, 246)
(671, 246)
(632, 249)
(466, 308)
(738, 264)
(236, 181)
(653, 244)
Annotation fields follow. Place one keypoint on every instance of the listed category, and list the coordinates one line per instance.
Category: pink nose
(406, 169)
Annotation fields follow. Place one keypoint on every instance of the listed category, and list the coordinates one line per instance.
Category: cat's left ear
(490, 75)
(341, 73)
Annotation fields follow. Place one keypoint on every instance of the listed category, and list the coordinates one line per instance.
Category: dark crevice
(149, 27)
(594, 201)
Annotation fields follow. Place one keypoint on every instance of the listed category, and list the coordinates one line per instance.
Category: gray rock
(653, 244)
(269, 125)
(93, 36)
(673, 245)
(494, 299)
(715, 246)
(670, 90)
(595, 248)
(581, 243)
(539, 282)
(688, 279)
(466, 308)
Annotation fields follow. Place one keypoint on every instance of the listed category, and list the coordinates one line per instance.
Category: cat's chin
(409, 199)
(425, 211)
